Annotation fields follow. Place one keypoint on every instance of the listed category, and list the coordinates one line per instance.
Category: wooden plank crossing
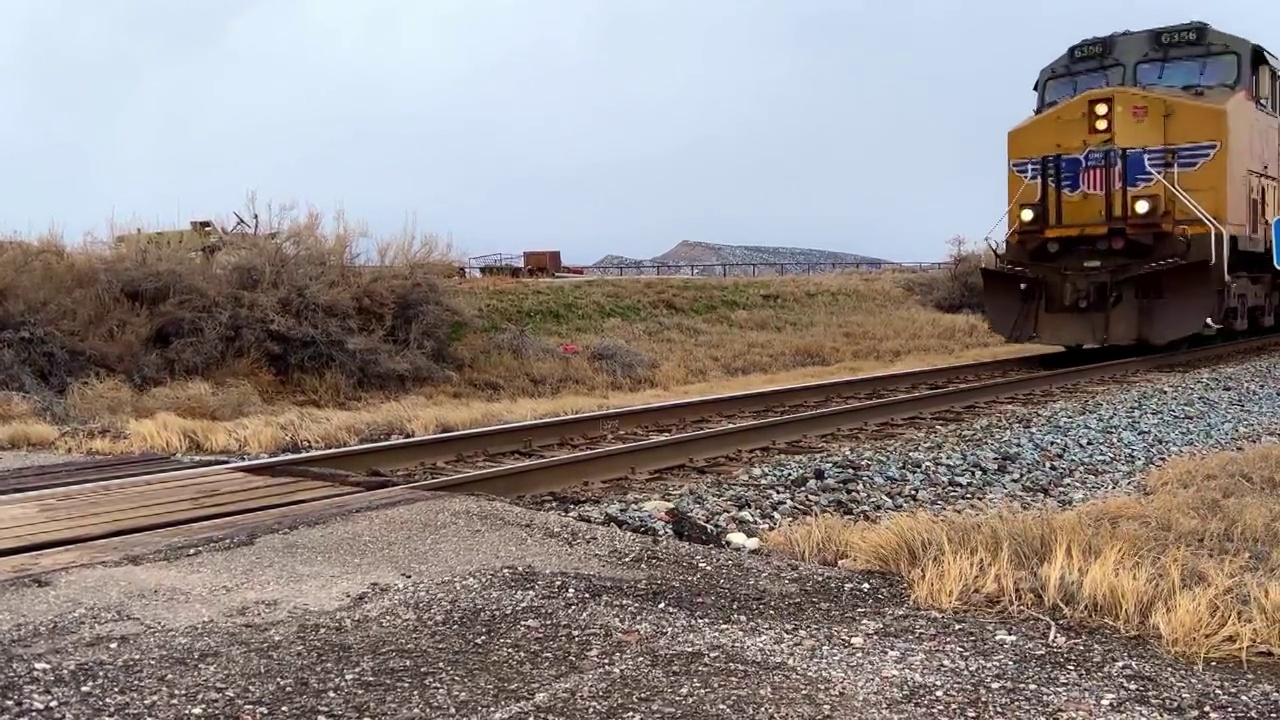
(57, 517)
(31, 565)
(83, 472)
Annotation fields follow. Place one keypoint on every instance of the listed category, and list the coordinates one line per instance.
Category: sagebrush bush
(956, 289)
(291, 307)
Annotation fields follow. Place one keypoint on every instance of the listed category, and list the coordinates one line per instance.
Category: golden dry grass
(1192, 563)
(203, 418)
(285, 344)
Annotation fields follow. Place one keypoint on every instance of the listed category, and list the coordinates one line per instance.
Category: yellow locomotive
(1141, 193)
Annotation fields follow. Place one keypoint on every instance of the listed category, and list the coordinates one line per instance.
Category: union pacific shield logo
(1087, 172)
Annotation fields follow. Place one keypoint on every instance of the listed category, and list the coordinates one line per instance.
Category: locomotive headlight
(1100, 116)
(1143, 207)
(1027, 214)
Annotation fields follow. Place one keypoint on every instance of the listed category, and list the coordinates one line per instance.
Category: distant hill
(767, 259)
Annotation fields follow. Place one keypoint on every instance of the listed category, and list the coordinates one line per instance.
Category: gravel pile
(1063, 453)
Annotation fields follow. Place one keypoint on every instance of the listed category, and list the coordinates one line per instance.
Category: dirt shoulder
(466, 607)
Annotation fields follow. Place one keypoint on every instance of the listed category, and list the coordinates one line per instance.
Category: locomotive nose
(1099, 155)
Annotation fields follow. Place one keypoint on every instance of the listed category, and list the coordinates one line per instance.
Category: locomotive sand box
(1160, 150)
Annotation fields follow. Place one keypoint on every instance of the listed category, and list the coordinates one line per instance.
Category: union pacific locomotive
(1141, 193)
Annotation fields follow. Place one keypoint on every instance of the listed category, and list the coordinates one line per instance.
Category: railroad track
(452, 453)
(68, 524)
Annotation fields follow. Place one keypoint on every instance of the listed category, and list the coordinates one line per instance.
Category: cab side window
(1266, 88)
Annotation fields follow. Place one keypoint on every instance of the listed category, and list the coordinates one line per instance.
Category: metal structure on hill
(203, 236)
(532, 264)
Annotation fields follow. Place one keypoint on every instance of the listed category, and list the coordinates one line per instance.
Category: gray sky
(592, 126)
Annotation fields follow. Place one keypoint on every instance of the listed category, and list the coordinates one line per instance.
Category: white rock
(657, 506)
(740, 541)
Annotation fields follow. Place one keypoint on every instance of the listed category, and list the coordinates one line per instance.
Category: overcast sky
(592, 126)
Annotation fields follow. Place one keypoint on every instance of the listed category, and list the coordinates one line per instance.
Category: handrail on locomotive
(1012, 226)
(1200, 212)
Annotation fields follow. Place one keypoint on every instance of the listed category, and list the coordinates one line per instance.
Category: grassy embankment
(284, 345)
(1192, 563)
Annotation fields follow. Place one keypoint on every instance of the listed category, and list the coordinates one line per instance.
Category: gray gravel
(1062, 452)
(14, 459)
(461, 607)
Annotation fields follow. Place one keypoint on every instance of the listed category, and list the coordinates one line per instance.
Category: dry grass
(680, 332)
(1193, 563)
(287, 343)
(203, 418)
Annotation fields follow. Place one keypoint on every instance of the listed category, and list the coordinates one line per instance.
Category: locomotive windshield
(1068, 86)
(1209, 71)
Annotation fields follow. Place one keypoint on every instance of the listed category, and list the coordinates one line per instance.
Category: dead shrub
(298, 306)
(955, 289)
(621, 361)
(37, 361)
(520, 343)
(16, 406)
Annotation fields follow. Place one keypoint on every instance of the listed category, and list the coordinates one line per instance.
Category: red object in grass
(569, 349)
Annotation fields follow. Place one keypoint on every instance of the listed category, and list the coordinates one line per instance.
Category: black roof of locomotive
(1129, 47)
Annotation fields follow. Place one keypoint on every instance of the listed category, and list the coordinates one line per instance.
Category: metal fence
(739, 269)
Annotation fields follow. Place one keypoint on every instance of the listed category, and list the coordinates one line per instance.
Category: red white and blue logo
(1087, 172)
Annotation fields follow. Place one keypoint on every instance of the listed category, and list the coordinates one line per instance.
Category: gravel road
(1062, 452)
(463, 607)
